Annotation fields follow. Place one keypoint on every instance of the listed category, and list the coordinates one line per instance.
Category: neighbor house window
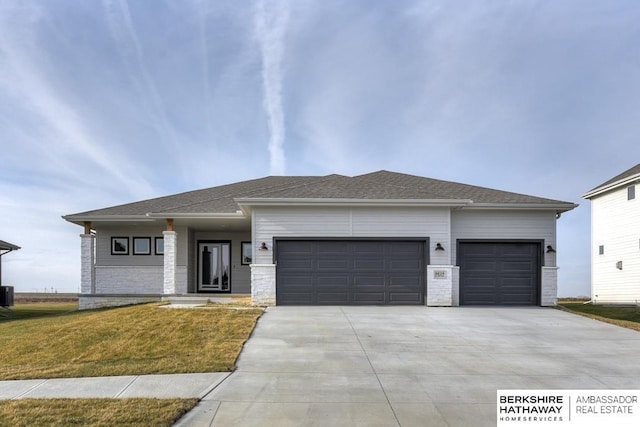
(631, 192)
(159, 246)
(601, 249)
(142, 245)
(119, 246)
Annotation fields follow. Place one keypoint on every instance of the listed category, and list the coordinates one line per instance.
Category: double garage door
(350, 272)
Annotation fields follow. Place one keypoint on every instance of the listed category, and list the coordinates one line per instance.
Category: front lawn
(132, 340)
(628, 317)
(93, 412)
(37, 309)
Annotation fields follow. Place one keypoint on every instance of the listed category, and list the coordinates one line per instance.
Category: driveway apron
(411, 366)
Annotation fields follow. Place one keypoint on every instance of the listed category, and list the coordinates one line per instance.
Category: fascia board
(564, 207)
(79, 219)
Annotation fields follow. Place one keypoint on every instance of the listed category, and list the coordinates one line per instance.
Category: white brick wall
(129, 280)
(549, 286)
(440, 285)
(87, 274)
(263, 284)
(169, 279)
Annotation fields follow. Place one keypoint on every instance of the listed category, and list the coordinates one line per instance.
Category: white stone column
(170, 249)
(442, 285)
(549, 285)
(263, 284)
(87, 264)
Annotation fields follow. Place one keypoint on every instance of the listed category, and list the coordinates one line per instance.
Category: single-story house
(378, 238)
(615, 239)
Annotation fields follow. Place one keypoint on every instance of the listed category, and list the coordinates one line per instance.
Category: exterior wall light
(439, 247)
(263, 247)
(550, 249)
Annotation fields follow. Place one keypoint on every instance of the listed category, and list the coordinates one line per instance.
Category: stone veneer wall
(129, 280)
(441, 282)
(549, 286)
(263, 284)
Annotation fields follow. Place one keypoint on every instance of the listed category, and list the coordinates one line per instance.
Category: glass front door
(214, 273)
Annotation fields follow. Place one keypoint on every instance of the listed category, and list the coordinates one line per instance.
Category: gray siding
(501, 224)
(240, 274)
(269, 222)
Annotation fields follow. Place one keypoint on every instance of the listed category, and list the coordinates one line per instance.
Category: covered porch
(177, 259)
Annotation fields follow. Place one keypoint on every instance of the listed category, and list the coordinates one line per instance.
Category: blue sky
(103, 103)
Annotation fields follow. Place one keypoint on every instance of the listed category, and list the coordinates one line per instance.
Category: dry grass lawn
(627, 317)
(93, 412)
(141, 339)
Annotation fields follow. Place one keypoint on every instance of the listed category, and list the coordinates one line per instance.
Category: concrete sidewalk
(158, 386)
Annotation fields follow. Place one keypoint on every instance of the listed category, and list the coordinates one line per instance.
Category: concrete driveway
(412, 366)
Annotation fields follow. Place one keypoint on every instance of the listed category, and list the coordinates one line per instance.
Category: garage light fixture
(550, 249)
(263, 247)
(439, 247)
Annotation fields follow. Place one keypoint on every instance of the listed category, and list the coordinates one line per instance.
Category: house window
(631, 192)
(601, 249)
(119, 246)
(142, 245)
(247, 253)
(159, 245)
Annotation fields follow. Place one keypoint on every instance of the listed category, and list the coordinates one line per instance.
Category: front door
(214, 272)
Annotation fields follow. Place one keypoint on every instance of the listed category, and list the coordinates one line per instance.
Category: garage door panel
(368, 298)
(297, 264)
(368, 265)
(331, 249)
(351, 272)
(336, 264)
(403, 297)
(297, 248)
(501, 273)
(404, 265)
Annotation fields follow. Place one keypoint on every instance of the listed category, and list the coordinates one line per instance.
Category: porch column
(170, 248)
(87, 261)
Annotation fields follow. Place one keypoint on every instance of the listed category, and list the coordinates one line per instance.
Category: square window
(247, 254)
(601, 249)
(631, 192)
(119, 246)
(159, 245)
(142, 245)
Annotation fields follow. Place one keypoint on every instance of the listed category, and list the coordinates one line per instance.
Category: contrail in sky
(270, 25)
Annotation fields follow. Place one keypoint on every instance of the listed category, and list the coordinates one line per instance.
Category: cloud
(271, 21)
(124, 33)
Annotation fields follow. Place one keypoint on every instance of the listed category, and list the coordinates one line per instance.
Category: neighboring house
(615, 239)
(378, 238)
(6, 292)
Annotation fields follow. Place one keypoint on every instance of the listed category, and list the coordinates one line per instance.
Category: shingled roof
(376, 186)
(622, 179)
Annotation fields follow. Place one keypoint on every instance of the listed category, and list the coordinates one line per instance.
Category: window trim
(141, 239)
(114, 240)
(155, 246)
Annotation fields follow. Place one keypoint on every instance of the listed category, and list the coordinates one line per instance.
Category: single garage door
(349, 272)
(499, 273)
